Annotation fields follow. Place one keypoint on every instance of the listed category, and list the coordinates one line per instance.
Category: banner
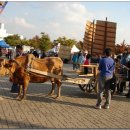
(2, 5)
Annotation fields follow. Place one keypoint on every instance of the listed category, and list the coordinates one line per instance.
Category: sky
(62, 18)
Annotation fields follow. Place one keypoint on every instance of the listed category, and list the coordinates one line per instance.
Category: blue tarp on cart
(3, 44)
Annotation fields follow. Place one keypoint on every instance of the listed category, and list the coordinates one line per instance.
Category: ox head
(7, 66)
(3, 70)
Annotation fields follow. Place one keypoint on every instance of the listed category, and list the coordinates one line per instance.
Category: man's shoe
(98, 107)
(105, 107)
(128, 96)
(1, 98)
(121, 94)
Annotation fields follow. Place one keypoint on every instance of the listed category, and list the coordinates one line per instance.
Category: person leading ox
(106, 68)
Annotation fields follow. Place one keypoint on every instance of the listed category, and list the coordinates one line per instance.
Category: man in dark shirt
(106, 68)
(19, 52)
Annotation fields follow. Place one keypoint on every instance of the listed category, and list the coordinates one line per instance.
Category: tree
(45, 43)
(25, 42)
(35, 42)
(120, 48)
(66, 42)
(13, 40)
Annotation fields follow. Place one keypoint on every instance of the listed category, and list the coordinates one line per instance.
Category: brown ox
(18, 66)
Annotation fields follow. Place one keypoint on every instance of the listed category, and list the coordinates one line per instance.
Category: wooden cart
(86, 83)
(93, 75)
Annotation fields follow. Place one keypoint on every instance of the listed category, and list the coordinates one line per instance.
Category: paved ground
(74, 109)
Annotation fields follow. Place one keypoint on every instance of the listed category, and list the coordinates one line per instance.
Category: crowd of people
(108, 68)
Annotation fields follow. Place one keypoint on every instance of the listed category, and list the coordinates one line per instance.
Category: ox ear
(2, 62)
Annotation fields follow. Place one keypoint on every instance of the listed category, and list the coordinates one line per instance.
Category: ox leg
(59, 89)
(24, 90)
(19, 93)
(24, 94)
(52, 89)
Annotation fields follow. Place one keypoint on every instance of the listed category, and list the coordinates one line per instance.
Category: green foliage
(13, 40)
(25, 42)
(34, 42)
(42, 42)
(45, 43)
(66, 42)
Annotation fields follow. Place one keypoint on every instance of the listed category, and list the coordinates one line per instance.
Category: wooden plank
(108, 29)
(111, 34)
(99, 37)
(98, 32)
(101, 50)
(91, 66)
(96, 54)
(89, 75)
(88, 36)
(108, 34)
(108, 39)
(88, 33)
(67, 79)
(87, 39)
(109, 24)
(44, 73)
(110, 44)
(79, 80)
(98, 46)
(90, 28)
(97, 41)
(101, 42)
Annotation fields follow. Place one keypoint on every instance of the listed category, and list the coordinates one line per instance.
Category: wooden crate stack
(99, 36)
(64, 52)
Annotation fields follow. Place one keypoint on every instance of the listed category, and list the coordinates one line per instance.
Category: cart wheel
(87, 87)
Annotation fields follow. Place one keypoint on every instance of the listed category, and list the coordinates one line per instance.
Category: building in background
(3, 32)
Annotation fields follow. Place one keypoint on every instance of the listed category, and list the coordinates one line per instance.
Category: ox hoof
(49, 95)
(22, 98)
(18, 97)
(57, 97)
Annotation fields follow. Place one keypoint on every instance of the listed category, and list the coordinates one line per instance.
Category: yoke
(65, 78)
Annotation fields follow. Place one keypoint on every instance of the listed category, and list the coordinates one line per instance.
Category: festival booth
(74, 49)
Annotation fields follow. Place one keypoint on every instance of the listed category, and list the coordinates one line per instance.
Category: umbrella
(3, 44)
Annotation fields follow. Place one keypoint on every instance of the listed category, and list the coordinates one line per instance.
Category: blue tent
(3, 44)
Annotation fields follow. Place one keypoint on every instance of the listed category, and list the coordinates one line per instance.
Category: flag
(2, 5)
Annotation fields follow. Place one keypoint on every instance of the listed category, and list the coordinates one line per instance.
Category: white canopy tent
(74, 49)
